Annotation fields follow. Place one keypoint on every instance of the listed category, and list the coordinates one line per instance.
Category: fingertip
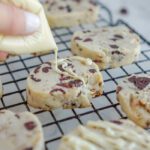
(17, 21)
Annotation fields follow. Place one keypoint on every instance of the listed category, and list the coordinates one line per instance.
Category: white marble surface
(138, 13)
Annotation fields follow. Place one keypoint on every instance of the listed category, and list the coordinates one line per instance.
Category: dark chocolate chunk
(118, 36)
(140, 82)
(94, 3)
(92, 70)
(114, 46)
(28, 148)
(57, 90)
(116, 122)
(35, 79)
(61, 68)
(123, 11)
(113, 39)
(78, 1)
(30, 125)
(68, 8)
(117, 52)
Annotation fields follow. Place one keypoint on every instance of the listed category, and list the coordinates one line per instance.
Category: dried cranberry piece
(30, 125)
(37, 70)
(119, 88)
(76, 83)
(46, 69)
(88, 40)
(57, 90)
(48, 63)
(17, 116)
(139, 82)
(35, 79)
(71, 84)
(63, 78)
(77, 38)
(61, 7)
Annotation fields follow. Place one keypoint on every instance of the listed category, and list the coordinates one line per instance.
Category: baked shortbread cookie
(1, 89)
(66, 13)
(40, 42)
(133, 94)
(103, 135)
(21, 131)
(107, 46)
(71, 85)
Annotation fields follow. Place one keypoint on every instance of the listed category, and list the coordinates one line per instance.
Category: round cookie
(68, 13)
(71, 85)
(20, 131)
(133, 94)
(104, 135)
(107, 46)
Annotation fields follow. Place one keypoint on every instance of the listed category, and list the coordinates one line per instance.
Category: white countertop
(138, 15)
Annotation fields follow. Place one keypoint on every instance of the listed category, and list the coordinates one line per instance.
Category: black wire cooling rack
(59, 122)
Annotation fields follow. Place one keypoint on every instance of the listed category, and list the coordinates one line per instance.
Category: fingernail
(32, 23)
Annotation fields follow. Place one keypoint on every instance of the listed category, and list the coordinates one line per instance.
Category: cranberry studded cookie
(104, 135)
(133, 94)
(71, 85)
(21, 131)
(1, 89)
(38, 43)
(66, 13)
(107, 46)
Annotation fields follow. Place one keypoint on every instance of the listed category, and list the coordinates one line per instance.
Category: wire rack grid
(59, 122)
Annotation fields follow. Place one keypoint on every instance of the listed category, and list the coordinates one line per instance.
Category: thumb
(15, 21)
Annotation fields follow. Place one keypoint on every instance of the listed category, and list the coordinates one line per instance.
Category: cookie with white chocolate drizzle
(104, 135)
(133, 94)
(72, 85)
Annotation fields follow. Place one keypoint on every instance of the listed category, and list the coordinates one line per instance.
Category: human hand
(15, 21)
